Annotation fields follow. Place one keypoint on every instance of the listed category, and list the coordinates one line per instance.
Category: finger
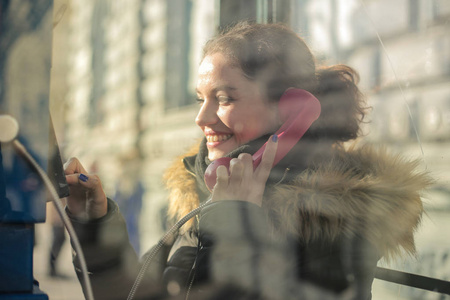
(97, 204)
(87, 182)
(221, 183)
(72, 179)
(222, 177)
(87, 197)
(76, 202)
(263, 170)
(72, 166)
(236, 171)
(247, 163)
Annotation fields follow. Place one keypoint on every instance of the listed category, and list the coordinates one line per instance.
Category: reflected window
(98, 65)
(177, 56)
(262, 11)
(414, 14)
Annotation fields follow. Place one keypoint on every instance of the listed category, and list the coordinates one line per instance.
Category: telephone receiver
(300, 109)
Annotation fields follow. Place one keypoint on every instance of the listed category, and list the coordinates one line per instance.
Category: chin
(215, 156)
(215, 152)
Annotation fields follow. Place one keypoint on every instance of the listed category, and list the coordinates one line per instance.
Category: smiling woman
(313, 226)
(234, 110)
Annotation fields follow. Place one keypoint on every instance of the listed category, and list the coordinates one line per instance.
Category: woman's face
(233, 109)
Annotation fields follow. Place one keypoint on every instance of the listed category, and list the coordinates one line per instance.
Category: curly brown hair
(276, 56)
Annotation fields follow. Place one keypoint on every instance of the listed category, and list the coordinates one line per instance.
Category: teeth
(218, 138)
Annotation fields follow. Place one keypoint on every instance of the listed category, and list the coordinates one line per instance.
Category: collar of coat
(361, 191)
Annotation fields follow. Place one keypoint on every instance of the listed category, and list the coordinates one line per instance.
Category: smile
(218, 138)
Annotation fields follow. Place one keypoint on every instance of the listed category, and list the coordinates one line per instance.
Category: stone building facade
(132, 66)
(126, 59)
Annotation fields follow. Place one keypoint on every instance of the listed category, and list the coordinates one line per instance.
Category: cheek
(239, 123)
(232, 119)
(246, 124)
(249, 126)
(238, 127)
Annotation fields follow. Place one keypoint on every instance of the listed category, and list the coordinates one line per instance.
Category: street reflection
(123, 86)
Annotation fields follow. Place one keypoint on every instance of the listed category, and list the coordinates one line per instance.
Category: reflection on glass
(124, 84)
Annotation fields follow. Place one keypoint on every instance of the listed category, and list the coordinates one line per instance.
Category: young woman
(313, 226)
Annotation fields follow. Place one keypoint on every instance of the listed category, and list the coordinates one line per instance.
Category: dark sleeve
(345, 265)
(238, 253)
(111, 260)
(360, 260)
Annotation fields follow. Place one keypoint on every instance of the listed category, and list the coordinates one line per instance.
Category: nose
(207, 115)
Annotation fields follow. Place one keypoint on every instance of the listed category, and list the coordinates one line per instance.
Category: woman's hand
(243, 183)
(87, 199)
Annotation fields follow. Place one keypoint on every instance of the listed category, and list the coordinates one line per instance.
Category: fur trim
(359, 192)
(181, 184)
(364, 191)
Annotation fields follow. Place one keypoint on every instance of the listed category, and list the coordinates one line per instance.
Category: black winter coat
(318, 235)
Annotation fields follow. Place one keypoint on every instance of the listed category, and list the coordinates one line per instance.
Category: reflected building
(411, 67)
(401, 50)
(132, 68)
(131, 78)
(403, 56)
(133, 64)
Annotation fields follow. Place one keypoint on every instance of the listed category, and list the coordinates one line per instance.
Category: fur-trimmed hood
(361, 191)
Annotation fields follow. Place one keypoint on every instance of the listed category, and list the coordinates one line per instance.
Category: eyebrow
(220, 88)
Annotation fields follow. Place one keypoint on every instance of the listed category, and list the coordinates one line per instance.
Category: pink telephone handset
(300, 109)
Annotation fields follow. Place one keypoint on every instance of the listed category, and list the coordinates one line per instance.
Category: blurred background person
(128, 196)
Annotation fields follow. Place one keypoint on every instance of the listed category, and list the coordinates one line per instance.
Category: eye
(199, 100)
(224, 100)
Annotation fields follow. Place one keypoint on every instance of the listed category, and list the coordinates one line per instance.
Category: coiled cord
(169, 234)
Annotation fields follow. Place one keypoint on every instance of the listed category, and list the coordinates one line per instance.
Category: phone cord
(160, 244)
(20, 148)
